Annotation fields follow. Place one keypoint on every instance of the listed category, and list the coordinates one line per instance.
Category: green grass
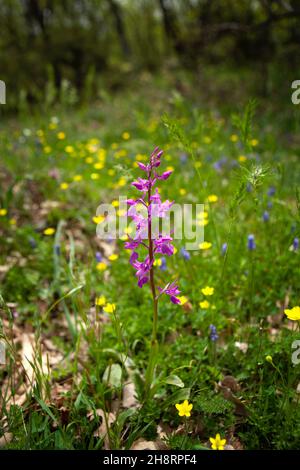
(49, 283)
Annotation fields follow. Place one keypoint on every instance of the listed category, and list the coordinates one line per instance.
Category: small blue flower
(163, 266)
(271, 191)
(183, 158)
(32, 242)
(266, 216)
(224, 248)
(185, 254)
(98, 256)
(213, 333)
(251, 242)
(296, 244)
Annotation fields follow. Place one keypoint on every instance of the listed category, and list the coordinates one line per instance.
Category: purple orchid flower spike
(147, 236)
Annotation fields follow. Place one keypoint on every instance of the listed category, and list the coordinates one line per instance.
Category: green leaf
(174, 380)
(113, 375)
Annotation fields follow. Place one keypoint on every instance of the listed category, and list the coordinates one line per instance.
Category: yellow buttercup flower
(170, 168)
(205, 245)
(293, 313)
(89, 160)
(126, 136)
(184, 408)
(98, 219)
(115, 203)
(61, 135)
(3, 212)
(98, 166)
(206, 139)
(157, 262)
(182, 191)
(254, 142)
(111, 172)
(207, 290)
(12, 221)
(204, 304)
(212, 198)
(217, 443)
(47, 149)
(94, 176)
(101, 266)
(183, 299)
(49, 231)
(242, 158)
(109, 308)
(113, 257)
(77, 177)
(202, 223)
(234, 138)
(64, 186)
(202, 215)
(69, 149)
(100, 301)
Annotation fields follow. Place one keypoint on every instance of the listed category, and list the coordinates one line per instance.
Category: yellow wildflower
(49, 231)
(126, 136)
(207, 290)
(184, 408)
(234, 138)
(61, 135)
(77, 177)
(109, 308)
(3, 212)
(242, 158)
(204, 304)
(101, 266)
(212, 198)
(113, 257)
(217, 443)
(183, 299)
(98, 219)
(205, 245)
(293, 313)
(64, 186)
(100, 301)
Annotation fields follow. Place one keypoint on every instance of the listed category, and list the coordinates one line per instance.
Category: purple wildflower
(295, 244)
(251, 242)
(271, 191)
(145, 213)
(185, 254)
(163, 266)
(171, 290)
(98, 256)
(224, 248)
(266, 216)
(213, 333)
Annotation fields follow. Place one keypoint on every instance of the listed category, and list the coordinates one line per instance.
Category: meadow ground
(77, 328)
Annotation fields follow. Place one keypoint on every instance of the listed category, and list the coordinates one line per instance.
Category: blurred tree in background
(51, 49)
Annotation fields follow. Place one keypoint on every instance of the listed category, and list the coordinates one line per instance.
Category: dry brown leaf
(5, 439)
(141, 444)
(27, 354)
(129, 396)
(103, 429)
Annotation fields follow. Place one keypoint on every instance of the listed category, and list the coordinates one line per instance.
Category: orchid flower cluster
(146, 211)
